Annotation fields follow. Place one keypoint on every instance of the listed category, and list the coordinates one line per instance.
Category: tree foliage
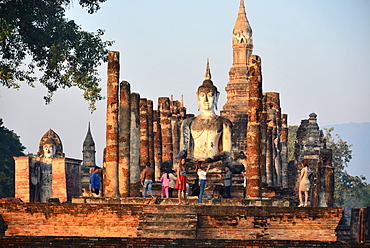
(10, 146)
(346, 185)
(37, 39)
(350, 191)
(292, 136)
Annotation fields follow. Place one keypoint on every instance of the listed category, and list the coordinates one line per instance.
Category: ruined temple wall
(22, 178)
(72, 178)
(216, 222)
(65, 181)
(311, 147)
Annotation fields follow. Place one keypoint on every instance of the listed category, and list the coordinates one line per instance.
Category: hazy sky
(315, 53)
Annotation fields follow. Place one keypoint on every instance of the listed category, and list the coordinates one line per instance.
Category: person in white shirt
(202, 179)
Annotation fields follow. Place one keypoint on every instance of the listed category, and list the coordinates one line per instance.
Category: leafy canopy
(9, 146)
(349, 191)
(36, 38)
(345, 184)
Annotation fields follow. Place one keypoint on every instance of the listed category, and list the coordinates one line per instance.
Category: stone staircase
(170, 225)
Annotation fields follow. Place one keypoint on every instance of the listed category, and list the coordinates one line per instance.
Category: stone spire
(242, 30)
(207, 76)
(89, 141)
(236, 106)
(88, 150)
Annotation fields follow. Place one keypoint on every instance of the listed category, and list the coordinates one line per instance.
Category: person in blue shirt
(95, 181)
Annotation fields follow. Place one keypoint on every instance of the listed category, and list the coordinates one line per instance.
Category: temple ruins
(250, 133)
(50, 175)
(258, 130)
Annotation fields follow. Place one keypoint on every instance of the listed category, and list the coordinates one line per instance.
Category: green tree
(292, 137)
(10, 146)
(37, 39)
(346, 185)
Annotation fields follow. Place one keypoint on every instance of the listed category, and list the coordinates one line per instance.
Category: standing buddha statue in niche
(41, 167)
(210, 133)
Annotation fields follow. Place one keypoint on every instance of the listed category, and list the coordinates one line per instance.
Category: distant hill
(358, 135)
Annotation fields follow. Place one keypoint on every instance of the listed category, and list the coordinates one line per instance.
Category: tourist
(172, 183)
(227, 181)
(202, 179)
(304, 184)
(146, 179)
(95, 181)
(181, 181)
(165, 180)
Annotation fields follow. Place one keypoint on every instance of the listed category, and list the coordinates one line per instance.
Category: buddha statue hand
(182, 154)
(220, 156)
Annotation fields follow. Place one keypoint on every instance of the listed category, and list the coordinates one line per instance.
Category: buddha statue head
(207, 94)
(50, 146)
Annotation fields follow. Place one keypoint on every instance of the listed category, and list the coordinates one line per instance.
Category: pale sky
(315, 53)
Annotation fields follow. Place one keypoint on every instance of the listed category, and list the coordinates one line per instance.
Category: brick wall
(220, 222)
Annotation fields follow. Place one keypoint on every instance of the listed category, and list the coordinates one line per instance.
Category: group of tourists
(170, 181)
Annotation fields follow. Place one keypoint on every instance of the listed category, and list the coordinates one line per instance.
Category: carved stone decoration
(50, 137)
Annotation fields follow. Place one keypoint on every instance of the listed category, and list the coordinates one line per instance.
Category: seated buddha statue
(209, 132)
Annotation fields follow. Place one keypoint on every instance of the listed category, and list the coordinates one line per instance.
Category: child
(165, 179)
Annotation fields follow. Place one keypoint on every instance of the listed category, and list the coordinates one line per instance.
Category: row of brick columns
(267, 135)
(136, 134)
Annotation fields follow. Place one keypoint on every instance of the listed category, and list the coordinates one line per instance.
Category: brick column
(254, 128)
(135, 145)
(144, 136)
(59, 180)
(269, 160)
(124, 139)
(157, 144)
(175, 127)
(150, 132)
(284, 150)
(164, 110)
(111, 151)
(263, 146)
(22, 178)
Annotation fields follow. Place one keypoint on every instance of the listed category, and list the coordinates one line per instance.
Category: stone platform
(220, 221)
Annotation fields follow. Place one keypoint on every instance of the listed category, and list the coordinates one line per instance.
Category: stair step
(172, 225)
(168, 217)
(172, 233)
(164, 225)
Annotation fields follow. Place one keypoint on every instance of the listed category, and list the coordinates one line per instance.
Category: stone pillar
(124, 139)
(175, 127)
(164, 110)
(254, 128)
(144, 135)
(263, 142)
(150, 132)
(269, 160)
(59, 180)
(157, 144)
(135, 145)
(111, 160)
(22, 178)
(284, 150)
(325, 179)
